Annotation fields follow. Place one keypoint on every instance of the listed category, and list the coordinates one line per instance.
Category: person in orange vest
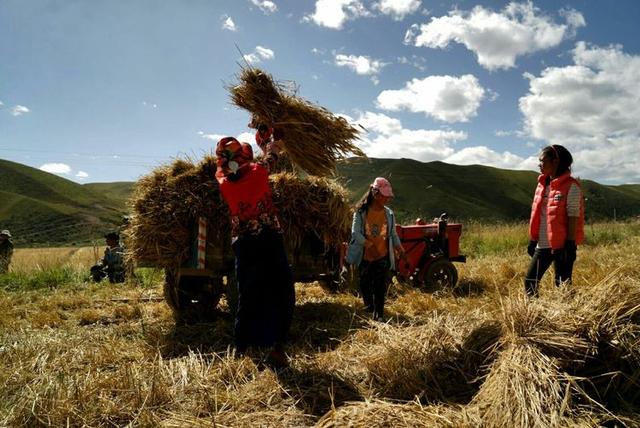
(556, 226)
(266, 294)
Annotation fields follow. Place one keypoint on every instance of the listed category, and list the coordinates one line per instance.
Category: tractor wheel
(441, 274)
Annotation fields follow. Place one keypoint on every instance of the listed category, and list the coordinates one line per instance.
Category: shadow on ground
(317, 391)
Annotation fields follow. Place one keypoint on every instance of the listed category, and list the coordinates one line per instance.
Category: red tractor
(431, 249)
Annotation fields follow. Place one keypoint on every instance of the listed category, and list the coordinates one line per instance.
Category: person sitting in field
(266, 294)
(112, 264)
(6, 251)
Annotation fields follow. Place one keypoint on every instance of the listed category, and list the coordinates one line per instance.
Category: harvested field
(480, 356)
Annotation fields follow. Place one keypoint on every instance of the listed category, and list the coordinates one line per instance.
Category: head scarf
(231, 155)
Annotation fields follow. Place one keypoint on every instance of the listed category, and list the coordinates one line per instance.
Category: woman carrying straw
(373, 241)
(556, 227)
(266, 294)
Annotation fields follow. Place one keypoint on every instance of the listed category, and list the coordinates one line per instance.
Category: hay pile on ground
(384, 414)
(569, 356)
(167, 203)
(314, 138)
(437, 360)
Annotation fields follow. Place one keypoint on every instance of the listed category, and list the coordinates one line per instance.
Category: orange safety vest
(557, 219)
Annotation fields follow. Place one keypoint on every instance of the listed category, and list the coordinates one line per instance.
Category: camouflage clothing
(6, 252)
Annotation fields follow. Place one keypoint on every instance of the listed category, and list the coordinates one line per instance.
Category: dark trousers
(373, 284)
(266, 294)
(540, 262)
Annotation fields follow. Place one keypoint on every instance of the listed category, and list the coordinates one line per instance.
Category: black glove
(531, 248)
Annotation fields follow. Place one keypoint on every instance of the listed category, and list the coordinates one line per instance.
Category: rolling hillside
(43, 209)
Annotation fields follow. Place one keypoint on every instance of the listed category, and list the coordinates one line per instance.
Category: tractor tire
(441, 274)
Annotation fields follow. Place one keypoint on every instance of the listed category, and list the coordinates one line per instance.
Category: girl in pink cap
(372, 245)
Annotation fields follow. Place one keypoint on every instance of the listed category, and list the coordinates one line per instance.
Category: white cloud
(82, 175)
(267, 7)
(211, 137)
(18, 110)
(334, 13)
(56, 168)
(591, 107)
(260, 53)
(247, 137)
(362, 65)
(398, 9)
(482, 155)
(415, 61)
(497, 38)
(228, 24)
(446, 98)
(152, 105)
(385, 137)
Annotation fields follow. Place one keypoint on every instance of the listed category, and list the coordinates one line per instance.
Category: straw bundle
(431, 361)
(422, 361)
(609, 315)
(314, 138)
(165, 206)
(384, 414)
(524, 388)
(311, 204)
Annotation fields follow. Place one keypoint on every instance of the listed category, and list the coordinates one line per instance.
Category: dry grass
(95, 355)
(29, 259)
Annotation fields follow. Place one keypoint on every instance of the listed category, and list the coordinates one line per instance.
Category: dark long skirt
(266, 294)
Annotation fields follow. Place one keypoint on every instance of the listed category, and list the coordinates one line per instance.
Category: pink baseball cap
(383, 186)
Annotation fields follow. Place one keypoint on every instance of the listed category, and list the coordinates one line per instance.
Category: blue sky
(100, 91)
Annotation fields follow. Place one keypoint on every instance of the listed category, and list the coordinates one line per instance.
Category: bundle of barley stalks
(314, 138)
(166, 205)
(311, 205)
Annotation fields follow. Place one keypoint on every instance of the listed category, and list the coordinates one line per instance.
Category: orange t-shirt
(376, 232)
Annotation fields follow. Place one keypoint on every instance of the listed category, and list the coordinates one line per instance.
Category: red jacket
(250, 200)
(557, 219)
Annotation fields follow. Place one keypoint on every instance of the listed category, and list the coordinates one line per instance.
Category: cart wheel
(441, 274)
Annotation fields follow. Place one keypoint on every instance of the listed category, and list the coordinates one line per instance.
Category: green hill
(117, 192)
(43, 209)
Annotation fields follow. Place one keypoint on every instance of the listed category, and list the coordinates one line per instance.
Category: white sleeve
(573, 200)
